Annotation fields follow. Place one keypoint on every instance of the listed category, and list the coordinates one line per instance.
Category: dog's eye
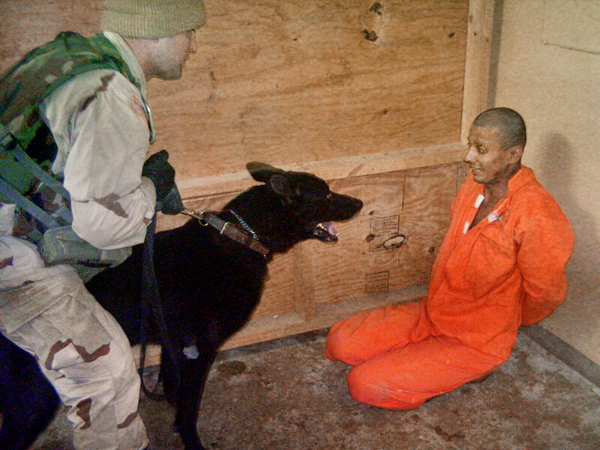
(329, 196)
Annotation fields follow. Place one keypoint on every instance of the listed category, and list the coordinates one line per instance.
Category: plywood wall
(367, 95)
(384, 255)
(298, 82)
(295, 82)
(548, 70)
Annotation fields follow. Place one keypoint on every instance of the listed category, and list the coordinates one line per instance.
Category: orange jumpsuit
(487, 281)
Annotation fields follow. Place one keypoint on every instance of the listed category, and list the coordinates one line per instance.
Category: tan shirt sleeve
(99, 123)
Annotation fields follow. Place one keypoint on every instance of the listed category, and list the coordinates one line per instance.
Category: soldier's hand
(162, 174)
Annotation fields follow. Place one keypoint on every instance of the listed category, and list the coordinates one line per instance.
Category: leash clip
(196, 215)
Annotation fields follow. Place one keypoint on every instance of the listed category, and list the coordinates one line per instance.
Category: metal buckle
(225, 225)
(196, 215)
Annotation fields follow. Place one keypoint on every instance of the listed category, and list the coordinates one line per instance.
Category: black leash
(152, 305)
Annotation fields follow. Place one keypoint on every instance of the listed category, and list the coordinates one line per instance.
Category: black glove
(162, 174)
(172, 203)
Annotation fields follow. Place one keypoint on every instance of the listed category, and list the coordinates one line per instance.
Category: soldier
(87, 96)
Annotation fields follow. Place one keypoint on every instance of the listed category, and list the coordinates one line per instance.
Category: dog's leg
(194, 373)
(28, 401)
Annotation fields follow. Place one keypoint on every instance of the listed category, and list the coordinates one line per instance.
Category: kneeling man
(501, 266)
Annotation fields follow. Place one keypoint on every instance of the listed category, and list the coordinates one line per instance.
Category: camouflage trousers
(84, 353)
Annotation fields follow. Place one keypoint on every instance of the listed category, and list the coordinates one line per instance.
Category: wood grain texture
(367, 95)
(389, 247)
(290, 83)
(297, 82)
(28, 24)
(394, 241)
(480, 39)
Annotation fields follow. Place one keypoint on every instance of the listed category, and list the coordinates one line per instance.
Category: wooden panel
(280, 325)
(296, 82)
(291, 83)
(394, 241)
(366, 95)
(27, 24)
(384, 255)
(480, 40)
(330, 169)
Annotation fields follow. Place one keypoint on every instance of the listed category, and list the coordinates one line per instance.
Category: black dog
(209, 285)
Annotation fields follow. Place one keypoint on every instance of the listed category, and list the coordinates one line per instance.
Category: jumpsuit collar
(517, 181)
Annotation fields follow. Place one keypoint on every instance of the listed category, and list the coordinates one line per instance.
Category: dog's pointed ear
(281, 185)
(262, 172)
(271, 175)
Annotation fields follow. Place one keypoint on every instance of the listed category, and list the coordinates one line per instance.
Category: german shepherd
(209, 285)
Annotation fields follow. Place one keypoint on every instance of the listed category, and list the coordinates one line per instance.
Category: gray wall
(548, 69)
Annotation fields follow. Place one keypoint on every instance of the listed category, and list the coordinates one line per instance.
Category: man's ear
(515, 153)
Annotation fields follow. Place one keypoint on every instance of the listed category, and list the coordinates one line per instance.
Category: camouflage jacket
(27, 147)
(40, 73)
(60, 87)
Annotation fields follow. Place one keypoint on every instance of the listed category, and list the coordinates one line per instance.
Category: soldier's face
(172, 54)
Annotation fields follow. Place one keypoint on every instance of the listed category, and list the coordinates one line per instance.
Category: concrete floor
(284, 395)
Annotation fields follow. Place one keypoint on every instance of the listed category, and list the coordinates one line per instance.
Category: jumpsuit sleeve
(546, 243)
(99, 123)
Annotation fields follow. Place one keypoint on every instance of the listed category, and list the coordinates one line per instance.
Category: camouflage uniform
(102, 128)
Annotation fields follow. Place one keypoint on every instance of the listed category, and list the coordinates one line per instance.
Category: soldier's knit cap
(153, 19)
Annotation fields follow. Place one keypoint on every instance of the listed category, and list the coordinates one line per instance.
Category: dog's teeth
(328, 227)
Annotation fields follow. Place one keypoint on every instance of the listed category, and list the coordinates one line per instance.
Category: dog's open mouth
(326, 232)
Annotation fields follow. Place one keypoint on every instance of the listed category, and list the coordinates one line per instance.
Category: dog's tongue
(331, 228)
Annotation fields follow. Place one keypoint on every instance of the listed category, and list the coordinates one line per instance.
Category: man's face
(488, 161)
(172, 53)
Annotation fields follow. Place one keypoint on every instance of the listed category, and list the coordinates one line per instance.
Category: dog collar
(229, 229)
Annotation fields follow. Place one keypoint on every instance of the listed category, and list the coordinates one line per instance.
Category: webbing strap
(12, 148)
(23, 202)
(38, 172)
(152, 306)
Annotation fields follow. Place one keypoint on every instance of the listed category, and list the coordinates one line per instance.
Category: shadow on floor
(285, 395)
